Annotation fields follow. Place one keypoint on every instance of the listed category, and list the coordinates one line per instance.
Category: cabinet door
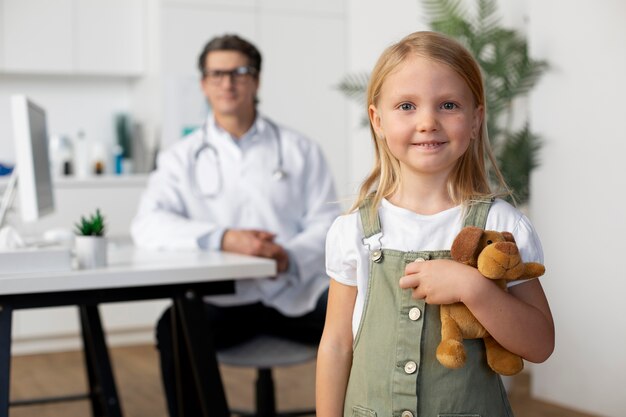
(36, 35)
(109, 36)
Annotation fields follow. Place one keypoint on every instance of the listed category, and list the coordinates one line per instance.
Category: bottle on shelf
(98, 158)
(81, 156)
(61, 155)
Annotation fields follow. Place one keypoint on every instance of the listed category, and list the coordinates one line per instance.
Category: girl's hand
(441, 281)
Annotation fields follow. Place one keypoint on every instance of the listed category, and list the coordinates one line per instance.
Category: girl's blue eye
(448, 105)
(406, 106)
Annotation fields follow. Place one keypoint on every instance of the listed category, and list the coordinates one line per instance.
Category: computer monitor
(32, 163)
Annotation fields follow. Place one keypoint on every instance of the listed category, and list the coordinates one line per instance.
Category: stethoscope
(278, 173)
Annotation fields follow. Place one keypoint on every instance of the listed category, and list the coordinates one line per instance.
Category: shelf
(108, 181)
(105, 181)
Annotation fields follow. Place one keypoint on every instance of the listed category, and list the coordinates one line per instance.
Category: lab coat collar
(259, 129)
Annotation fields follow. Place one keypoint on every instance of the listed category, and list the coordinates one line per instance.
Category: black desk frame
(198, 376)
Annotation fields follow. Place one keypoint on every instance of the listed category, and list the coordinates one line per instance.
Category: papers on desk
(34, 259)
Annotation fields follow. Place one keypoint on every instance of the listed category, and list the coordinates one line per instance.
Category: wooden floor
(138, 381)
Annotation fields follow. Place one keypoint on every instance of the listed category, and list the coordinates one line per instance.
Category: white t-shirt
(347, 257)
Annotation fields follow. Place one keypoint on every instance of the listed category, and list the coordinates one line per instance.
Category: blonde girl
(389, 257)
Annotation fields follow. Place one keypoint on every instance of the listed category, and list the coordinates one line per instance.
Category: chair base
(265, 401)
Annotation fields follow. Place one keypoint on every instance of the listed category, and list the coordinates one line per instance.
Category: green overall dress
(394, 368)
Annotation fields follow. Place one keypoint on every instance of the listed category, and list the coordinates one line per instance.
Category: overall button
(410, 367)
(407, 413)
(415, 313)
(377, 256)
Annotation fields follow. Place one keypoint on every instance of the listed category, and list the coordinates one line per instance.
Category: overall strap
(369, 218)
(477, 212)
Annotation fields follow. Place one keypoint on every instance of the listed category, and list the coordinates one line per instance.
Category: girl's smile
(432, 145)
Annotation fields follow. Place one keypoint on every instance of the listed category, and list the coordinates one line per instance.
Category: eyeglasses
(238, 74)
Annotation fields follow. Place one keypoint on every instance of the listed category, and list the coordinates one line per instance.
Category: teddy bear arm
(450, 352)
(533, 270)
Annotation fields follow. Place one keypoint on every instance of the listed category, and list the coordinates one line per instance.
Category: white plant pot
(91, 251)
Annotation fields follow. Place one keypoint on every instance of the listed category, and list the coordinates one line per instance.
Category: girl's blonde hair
(469, 178)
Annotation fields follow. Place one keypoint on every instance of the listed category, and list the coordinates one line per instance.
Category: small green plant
(92, 225)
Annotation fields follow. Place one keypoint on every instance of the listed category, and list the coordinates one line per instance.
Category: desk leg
(6, 318)
(194, 333)
(103, 394)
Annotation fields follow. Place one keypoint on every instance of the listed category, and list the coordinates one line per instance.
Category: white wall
(578, 199)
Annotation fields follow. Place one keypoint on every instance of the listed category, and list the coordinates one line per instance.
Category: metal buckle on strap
(376, 254)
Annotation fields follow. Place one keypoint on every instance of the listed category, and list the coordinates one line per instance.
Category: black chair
(265, 353)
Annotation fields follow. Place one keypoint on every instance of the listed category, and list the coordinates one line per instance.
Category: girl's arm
(334, 357)
(520, 320)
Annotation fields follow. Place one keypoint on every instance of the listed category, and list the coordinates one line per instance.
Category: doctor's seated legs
(232, 326)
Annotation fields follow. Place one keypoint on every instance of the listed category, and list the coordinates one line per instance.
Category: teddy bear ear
(465, 244)
(508, 237)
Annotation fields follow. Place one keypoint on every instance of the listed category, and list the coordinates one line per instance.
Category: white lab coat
(176, 211)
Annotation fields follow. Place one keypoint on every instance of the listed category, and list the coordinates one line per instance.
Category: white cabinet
(37, 35)
(95, 37)
(109, 37)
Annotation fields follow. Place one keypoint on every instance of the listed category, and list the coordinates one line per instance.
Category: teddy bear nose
(508, 248)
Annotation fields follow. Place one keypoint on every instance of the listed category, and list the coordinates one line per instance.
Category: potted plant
(509, 74)
(90, 243)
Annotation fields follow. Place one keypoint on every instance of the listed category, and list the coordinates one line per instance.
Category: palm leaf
(517, 158)
(354, 86)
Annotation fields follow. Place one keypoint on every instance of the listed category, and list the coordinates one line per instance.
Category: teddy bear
(497, 257)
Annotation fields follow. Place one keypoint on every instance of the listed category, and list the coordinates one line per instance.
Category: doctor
(243, 184)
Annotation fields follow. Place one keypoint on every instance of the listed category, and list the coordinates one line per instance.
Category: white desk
(134, 274)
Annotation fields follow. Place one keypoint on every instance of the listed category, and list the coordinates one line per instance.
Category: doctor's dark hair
(231, 43)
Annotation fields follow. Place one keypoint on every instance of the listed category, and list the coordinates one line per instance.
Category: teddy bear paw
(451, 354)
(507, 365)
